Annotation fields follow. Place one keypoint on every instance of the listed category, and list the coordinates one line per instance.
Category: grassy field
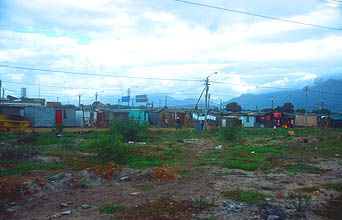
(209, 155)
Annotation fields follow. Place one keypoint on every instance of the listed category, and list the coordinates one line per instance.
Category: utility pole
(0, 98)
(306, 103)
(79, 100)
(38, 91)
(209, 102)
(165, 101)
(128, 95)
(272, 102)
(96, 95)
(0, 91)
(57, 99)
(206, 102)
(159, 103)
(118, 103)
(3, 98)
(322, 106)
(83, 116)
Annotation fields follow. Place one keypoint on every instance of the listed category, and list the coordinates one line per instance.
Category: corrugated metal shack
(311, 120)
(51, 116)
(12, 110)
(185, 116)
(139, 115)
(335, 121)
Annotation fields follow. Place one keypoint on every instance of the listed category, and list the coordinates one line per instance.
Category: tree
(323, 111)
(267, 110)
(287, 107)
(300, 110)
(233, 106)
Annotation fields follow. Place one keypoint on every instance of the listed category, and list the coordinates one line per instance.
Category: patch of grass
(261, 149)
(238, 164)
(141, 162)
(29, 166)
(246, 196)
(333, 186)
(238, 159)
(47, 139)
(107, 209)
(303, 169)
(229, 173)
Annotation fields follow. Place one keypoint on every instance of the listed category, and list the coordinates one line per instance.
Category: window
(247, 119)
(64, 113)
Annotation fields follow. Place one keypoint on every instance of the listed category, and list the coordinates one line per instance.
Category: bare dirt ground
(200, 184)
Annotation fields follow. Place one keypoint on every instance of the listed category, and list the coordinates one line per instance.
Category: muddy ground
(195, 193)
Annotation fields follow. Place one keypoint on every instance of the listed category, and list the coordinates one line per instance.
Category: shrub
(129, 130)
(111, 148)
(230, 133)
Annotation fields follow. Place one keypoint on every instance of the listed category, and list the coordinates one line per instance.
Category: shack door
(99, 120)
(182, 118)
(58, 117)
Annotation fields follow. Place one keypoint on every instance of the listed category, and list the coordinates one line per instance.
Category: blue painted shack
(41, 116)
(248, 121)
(139, 115)
(335, 121)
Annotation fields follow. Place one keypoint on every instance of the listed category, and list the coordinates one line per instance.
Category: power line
(134, 77)
(53, 86)
(93, 74)
(257, 15)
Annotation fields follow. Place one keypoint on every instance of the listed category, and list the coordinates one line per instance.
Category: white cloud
(159, 17)
(118, 38)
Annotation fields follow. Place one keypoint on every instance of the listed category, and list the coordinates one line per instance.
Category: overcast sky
(165, 39)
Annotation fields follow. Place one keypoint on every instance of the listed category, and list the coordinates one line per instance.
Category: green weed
(303, 169)
(237, 164)
(107, 209)
(246, 196)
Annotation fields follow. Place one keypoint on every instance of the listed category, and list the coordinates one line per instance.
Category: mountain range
(326, 93)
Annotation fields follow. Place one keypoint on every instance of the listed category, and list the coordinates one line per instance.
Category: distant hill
(173, 102)
(328, 89)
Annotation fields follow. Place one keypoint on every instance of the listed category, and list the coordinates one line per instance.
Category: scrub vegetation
(186, 157)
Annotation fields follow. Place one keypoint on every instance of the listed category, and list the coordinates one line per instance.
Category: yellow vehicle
(13, 123)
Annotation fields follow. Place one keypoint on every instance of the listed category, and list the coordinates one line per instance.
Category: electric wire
(257, 15)
(95, 74)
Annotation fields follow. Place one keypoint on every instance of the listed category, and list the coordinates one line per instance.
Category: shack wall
(248, 121)
(46, 116)
(311, 120)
